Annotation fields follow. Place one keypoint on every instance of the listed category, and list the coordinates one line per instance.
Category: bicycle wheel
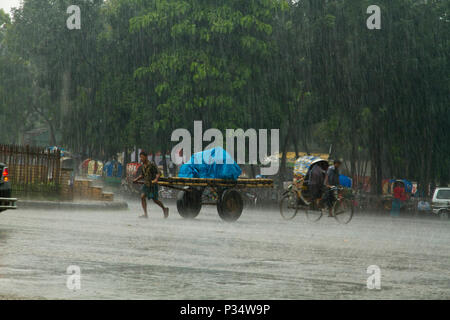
(288, 206)
(314, 215)
(343, 210)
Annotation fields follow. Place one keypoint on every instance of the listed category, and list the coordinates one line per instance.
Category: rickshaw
(297, 195)
(388, 194)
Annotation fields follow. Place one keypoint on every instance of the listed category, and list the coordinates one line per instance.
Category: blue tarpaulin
(213, 163)
(113, 169)
(345, 181)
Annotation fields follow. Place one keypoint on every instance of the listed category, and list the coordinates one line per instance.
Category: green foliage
(138, 69)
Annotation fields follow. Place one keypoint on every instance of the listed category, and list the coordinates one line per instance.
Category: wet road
(259, 257)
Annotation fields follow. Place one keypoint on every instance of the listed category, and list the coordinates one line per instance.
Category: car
(441, 202)
(6, 201)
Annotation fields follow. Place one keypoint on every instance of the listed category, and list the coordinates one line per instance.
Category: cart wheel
(230, 205)
(189, 203)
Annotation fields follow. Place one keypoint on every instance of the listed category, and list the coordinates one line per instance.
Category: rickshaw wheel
(288, 206)
(314, 215)
(343, 211)
(230, 205)
(189, 203)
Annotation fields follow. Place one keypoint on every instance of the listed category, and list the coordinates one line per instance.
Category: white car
(441, 202)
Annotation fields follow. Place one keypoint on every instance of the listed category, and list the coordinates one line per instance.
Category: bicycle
(295, 199)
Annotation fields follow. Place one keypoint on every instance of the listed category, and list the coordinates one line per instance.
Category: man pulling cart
(204, 175)
(150, 175)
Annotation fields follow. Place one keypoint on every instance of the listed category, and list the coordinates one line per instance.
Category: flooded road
(259, 257)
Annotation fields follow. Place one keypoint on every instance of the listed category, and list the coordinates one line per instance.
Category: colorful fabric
(99, 170)
(408, 184)
(132, 169)
(303, 164)
(91, 167)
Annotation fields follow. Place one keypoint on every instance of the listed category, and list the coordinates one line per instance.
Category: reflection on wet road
(259, 257)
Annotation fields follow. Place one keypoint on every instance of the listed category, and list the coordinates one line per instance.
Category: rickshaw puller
(332, 180)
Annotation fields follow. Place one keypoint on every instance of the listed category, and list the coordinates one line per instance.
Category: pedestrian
(399, 198)
(150, 174)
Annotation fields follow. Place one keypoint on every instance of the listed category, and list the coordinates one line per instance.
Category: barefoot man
(150, 174)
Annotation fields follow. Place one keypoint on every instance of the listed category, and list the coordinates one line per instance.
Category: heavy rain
(224, 149)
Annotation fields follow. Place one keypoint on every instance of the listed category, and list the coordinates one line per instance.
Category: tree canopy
(139, 69)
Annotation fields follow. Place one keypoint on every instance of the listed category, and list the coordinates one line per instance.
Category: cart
(196, 192)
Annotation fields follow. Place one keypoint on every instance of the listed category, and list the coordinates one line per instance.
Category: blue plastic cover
(345, 181)
(213, 163)
(110, 167)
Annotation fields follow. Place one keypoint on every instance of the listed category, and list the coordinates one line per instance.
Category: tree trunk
(353, 158)
(52, 133)
(295, 139)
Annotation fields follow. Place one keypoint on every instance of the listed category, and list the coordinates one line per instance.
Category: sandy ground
(259, 257)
